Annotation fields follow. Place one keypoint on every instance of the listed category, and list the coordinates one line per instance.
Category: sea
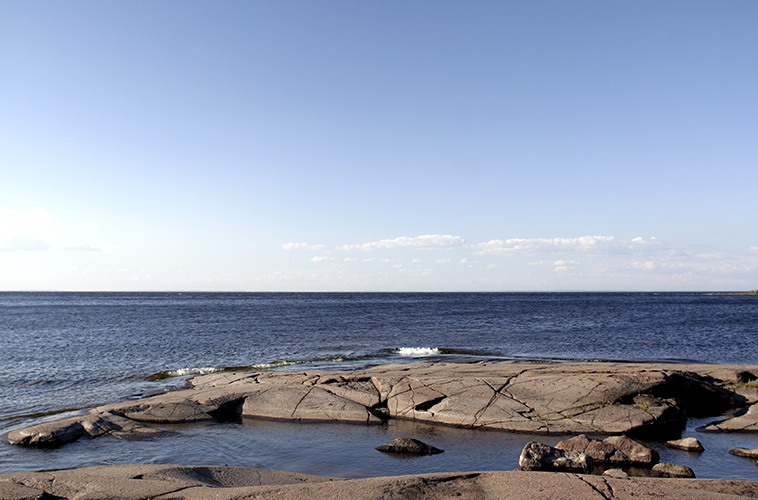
(63, 353)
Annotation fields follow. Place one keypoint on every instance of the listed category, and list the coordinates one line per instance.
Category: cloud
(319, 258)
(587, 244)
(83, 248)
(293, 245)
(422, 241)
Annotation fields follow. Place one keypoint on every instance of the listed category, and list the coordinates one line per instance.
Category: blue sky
(342, 145)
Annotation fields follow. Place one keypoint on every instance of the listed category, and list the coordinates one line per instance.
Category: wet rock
(665, 469)
(538, 456)
(618, 473)
(618, 450)
(745, 452)
(686, 444)
(408, 446)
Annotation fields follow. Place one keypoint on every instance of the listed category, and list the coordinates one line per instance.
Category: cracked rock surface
(646, 400)
(136, 482)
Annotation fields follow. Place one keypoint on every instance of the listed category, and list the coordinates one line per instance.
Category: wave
(183, 372)
(417, 351)
(437, 351)
(384, 354)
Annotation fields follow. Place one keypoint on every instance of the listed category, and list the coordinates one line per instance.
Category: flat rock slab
(744, 423)
(647, 400)
(136, 482)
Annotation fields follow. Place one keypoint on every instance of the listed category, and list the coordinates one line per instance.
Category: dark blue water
(76, 350)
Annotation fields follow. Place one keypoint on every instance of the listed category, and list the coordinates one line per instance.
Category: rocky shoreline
(650, 401)
(637, 400)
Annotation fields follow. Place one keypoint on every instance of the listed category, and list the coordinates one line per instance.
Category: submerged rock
(408, 446)
(618, 450)
(538, 456)
(686, 444)
(665, 469)
(745, 452)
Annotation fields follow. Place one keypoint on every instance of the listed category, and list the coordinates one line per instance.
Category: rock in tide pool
(665, 469)
(617, 473)
(686, 444)
(617, 450)
(408, 446)
(538, 456)
(745, 452)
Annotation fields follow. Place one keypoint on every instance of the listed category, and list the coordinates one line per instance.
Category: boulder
(686, 444)
(617, 450)
(665, 469)
(408, 446)
(538, 456)
(745, 452)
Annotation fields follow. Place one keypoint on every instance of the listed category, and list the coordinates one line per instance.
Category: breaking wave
(418, 351)
(350, 361)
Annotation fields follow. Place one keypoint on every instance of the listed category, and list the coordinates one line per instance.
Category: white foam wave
(192, 371)
(273, 364)
(418, 351)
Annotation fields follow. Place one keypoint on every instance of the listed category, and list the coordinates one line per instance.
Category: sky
(347, 145)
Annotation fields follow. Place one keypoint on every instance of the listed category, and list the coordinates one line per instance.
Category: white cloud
(753, 249)
(293, 245)
(587, 244)
(647, 265)
(319, 258)
(442, 261)
(422, 241)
